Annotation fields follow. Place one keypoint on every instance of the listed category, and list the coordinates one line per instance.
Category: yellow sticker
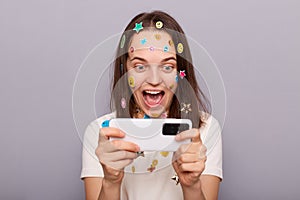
(122, 41)
(157, 36)
(154, 163)
(133, 169)
(180, 48)
(159, 24)
(164, 153)
(171, 43)
(131, 81)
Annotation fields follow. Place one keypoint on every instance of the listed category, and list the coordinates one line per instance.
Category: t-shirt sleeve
(91, 166)
(213, 141)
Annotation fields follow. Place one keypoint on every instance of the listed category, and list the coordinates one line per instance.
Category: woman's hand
(189, 159)
(114, 155)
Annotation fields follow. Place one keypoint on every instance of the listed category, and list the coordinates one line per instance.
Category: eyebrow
(144, 60)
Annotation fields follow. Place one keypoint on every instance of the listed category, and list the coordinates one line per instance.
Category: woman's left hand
(189, 159)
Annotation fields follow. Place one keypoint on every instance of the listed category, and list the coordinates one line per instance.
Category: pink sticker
(131, 49)
(123, 103)
(151, 48)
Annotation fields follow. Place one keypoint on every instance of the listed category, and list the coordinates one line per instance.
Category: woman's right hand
(114, 155)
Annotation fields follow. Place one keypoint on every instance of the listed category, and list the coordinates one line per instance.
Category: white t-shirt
(149, 176)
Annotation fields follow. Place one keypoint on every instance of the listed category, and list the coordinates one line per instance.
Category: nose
(154, 76)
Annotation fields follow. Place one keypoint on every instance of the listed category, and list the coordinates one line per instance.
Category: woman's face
(152, 71)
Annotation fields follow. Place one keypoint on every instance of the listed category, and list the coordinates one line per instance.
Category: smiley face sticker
(179, 47)
(131, 81)
(159, 24)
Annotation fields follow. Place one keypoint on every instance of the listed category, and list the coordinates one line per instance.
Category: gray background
(255, 44)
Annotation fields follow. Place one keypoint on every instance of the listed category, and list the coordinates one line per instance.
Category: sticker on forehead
(157, 36)
(131, 81)
(171, 43)
(159, 24)
(138, 27)
(131, 49)
(180, 48)
(122, 41)
(143, 41)
(151, 48)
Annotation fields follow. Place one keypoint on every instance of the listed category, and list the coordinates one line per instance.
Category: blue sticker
(105, 123)
(176, 78)
(146, 116)
(143, 41)
(166, 48)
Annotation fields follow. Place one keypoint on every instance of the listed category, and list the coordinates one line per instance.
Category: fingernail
(137, 148)
(177, 137)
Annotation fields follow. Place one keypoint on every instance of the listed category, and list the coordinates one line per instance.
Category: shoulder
(100, 120)
(209, 121)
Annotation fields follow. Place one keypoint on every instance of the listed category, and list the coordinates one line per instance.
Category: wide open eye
(140, 68)
(167, 68)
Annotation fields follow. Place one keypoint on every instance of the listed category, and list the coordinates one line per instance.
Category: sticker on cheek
(176, 78)
(166, 48)
(171, 86)
(131, 81)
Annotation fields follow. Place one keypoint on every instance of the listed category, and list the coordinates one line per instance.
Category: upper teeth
(152, 92)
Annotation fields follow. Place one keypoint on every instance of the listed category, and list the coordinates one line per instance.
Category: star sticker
(182, 74)
(186, 108)
(140, 153)
(175, 178)
(143, 41)
(138, 27)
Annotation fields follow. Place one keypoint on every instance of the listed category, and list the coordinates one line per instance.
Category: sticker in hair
(138, 27)
(182, 74)
(123, 40)
(131, 81)
(180, 48)
(186, 108)
(159, 24)
(123, 103)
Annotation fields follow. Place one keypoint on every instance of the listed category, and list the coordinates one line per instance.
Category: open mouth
(153, 97)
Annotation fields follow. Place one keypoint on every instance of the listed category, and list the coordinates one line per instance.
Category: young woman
(153, 78)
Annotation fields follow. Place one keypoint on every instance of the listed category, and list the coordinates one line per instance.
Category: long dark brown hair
(188, 91)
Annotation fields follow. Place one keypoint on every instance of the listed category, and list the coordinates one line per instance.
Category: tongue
(153, 99)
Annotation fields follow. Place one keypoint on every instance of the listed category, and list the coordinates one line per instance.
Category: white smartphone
(152, 134)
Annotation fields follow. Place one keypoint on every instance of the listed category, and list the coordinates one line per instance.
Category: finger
(189, 148)
(192, 167)
(188, 134)
(125, 145)
(188, 158)
(121, 155)
(107, 132)
(197, 137)
(119, 165)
